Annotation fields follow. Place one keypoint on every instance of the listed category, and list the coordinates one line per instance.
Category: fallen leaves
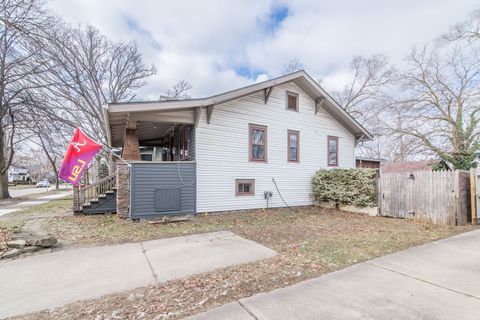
(309, 243)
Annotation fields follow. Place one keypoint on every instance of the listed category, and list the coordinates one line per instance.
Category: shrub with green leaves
(345, 186)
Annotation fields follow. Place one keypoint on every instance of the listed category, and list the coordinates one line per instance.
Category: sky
(219, 45)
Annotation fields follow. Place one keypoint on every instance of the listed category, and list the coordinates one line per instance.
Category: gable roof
(301, 78)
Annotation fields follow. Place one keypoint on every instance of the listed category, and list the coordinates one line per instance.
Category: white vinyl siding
(222, 150)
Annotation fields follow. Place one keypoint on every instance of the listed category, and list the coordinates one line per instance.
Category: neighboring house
(409, 166)
(226, 151)
(370, 163)
(18, 174)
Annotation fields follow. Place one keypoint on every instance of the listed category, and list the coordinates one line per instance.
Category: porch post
(76, 199)
(123, 190)
(131, 147)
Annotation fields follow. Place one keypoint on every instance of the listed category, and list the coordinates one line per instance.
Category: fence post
(473, 193)
(377, 190)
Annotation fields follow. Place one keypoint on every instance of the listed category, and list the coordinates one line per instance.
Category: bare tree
(50, 135)
(179, 91)
(366, 97)
(21, 24)
(468, 30)
(390, 142)
(442, 102)
(370, 77)
(86, 71)
(292, 66)
(53, 145)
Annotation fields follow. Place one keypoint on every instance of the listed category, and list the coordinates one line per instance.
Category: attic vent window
(292, 101)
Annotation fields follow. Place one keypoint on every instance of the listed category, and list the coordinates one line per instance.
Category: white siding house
(233, 147)
(222, 150)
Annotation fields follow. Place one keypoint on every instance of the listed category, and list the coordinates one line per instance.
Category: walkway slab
(452, 263)
(55, 279)
(182, 256)
(435, 281)
(230, 311)
(363, 292)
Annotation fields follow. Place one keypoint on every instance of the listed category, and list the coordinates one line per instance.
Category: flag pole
(116, 155)
(109, 150)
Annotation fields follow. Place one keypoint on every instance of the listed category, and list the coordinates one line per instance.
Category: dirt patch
(309, 243)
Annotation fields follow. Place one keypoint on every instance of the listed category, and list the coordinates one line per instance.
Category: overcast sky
(220, 45)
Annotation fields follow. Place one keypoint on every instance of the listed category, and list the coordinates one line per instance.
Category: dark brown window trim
(296, 95)
(250, 146)
(185, 143)
(290, 133)
(245, 181)
(328, 151)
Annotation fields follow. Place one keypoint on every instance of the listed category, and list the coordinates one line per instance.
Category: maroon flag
(79, 153)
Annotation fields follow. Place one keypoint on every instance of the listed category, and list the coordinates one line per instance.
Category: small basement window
(292, 101)
(245, 187)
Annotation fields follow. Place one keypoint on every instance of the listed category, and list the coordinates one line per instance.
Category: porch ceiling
(152, 131)
(150, 125)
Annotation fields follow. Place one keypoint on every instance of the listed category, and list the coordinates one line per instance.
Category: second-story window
(293, 145)
(258, 143)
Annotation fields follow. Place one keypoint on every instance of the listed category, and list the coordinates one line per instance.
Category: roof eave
(107, 123)
(314, 90)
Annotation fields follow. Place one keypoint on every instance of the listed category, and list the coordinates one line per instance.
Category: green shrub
(345, 186)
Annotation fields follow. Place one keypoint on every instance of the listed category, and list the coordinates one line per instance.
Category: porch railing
(84, 195)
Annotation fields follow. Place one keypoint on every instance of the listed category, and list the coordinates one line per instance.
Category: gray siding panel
(162, 189)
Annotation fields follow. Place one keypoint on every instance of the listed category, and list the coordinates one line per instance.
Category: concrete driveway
(440, 280)
(55, 279)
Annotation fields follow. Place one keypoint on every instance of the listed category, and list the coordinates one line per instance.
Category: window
(332, 151)
(292, 101)
(258, 143)
(184, 143)
(245, 187)
(293, 146)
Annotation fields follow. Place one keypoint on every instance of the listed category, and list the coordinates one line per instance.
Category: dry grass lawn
(309, 242)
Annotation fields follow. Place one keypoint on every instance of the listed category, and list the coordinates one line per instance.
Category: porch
(156, 175)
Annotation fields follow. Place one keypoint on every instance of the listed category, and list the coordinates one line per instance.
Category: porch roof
(120, 116)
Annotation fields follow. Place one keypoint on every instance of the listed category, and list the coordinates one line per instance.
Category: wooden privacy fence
(441, 197)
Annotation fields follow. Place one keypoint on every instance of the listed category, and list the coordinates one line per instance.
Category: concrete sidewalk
(440, 280)
(33, 202)
(55, 279)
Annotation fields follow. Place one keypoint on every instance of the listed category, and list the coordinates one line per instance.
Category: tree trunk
(3, 163)
(4, 186)
(57, 182)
